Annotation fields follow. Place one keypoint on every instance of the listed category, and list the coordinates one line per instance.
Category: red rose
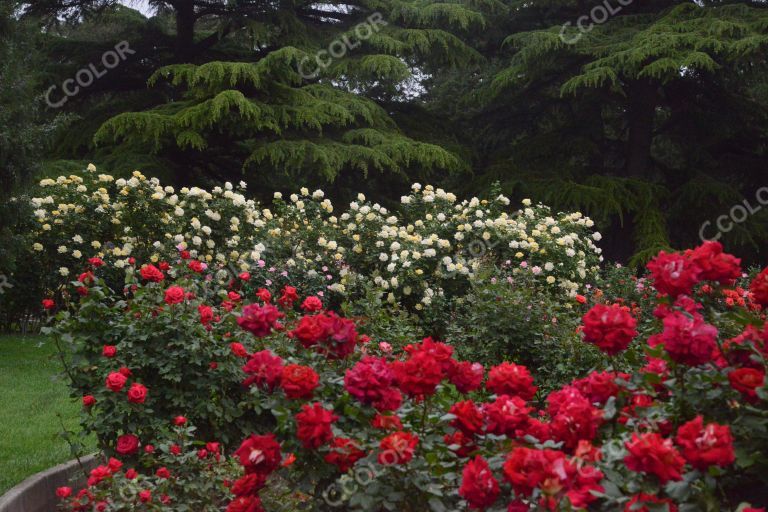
(48, 304)
(469, 418)
(174, 295)
(386, 422)
(163, 472)
(528, 468)
(127, 444)
(715, 265)
(746, 381)
(137, 393)
(506, 415)
(238, 349)
(333, 335)
(759, 288)
(116, 381)
(264, 369)
(98, 474)
(260, 320)
(151, 273)
(312, 303)
(313, 425)
(610, 328)
(234, 296)
(440, 352)
(145, 496)
(206, 314)
(196, 266)
(245, 276)
(89, 400)
(249, 484)
(418, 375)
(369, 380)
(131, 474)
(109, 351)
(397, 448)
(185, 255)
(343, 453)
(63, 492)
(598, 387)
(288, 297)
(673, 273)
(705, 445)
(639, 501)
(575, 419)
(466, 376)
(478, 485)
(299, 381)
(245, 504)
(179, 421)
(264, 295)
(511, 379)
(259, 454)
(688, 340)
(650, 453)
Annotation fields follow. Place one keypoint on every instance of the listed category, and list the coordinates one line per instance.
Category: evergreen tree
(602, 119)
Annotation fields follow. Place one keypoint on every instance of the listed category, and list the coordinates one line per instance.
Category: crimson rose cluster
(677, 419)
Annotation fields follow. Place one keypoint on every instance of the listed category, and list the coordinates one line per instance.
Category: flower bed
(210, 395)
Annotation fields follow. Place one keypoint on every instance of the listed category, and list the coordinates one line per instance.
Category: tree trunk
(643, 98)
(185, 31)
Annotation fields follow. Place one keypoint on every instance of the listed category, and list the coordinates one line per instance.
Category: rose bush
(673, 416)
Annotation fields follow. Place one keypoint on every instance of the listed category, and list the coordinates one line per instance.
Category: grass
(34, 402)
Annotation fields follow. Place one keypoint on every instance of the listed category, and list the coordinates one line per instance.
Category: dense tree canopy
(649, 116)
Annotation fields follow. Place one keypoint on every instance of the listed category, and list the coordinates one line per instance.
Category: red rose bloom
(397, 448)
(264, 369)
(48, 304)
(299, 381)
(109, 351)
(610, 328)
(249, 484)
(260, 320)
(419, 375)
(127, 444)
(639, 501)
(506, 415)
(259, 454)
(575, 419)
(245, 504)
(466, 376)
(746, 381)
(137, 393)
(598, 387)
(89, 400)
(469, 418)
(163, 473)
(386, 422)
(527, 468)
(63, 492)
(759, 288)
(369, 380)
(238, 349)
(511, 379)
(650, 453)
(461, 444)
(330, 333)
(673, 274)
(312, 303)
(440, 352)
(688, 340)
(288, 297)
(151, 273)
(705, 445)
(196, 266)
(145, 496)
(264, 295)
(116, 381)
(206, 314)
(715, 265)
(314, 425)
(344, 453)
(478, 485)
(174, 295)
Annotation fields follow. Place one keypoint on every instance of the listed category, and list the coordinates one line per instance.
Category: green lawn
(32, 396)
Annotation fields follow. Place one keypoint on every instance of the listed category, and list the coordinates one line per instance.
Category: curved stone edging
(38, 492)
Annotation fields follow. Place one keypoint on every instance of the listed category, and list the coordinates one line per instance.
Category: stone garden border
(38, 492)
